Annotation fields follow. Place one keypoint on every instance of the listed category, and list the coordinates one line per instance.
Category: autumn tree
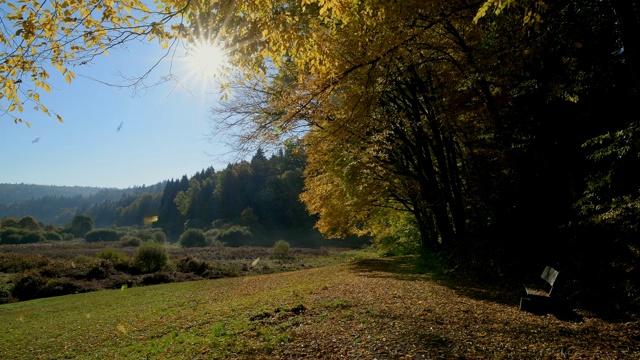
(473, 125)
(387, 100)
(38, 38)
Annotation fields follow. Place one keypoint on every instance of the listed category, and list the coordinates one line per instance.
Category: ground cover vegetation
(368, 307)
(33, 271)
(501, 136)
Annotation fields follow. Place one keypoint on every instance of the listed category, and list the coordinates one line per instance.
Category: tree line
(249, 203)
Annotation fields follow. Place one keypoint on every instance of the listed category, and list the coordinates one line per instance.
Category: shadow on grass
(401, 267)
(413, 268)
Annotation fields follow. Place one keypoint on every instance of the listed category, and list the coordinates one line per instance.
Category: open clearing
(367, 309)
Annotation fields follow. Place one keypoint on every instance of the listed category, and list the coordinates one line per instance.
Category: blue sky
(164, 129)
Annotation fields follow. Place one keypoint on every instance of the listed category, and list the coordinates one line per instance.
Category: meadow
(32, 271)
(360, 307)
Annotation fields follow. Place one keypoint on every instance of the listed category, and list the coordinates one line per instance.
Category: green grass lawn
(180, 320)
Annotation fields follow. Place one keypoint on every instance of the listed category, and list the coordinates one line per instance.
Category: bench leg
(526, 304)
(535, 304)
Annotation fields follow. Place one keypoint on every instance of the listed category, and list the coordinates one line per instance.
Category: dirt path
(379, 309)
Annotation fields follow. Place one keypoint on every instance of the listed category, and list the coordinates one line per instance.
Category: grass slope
(377, 308)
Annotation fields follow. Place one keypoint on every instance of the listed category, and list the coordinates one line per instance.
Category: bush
(145, 235)
(157, 278)
(16, 263)
(101, 235)
(132, 241)
(193, 238)
(281, 249)
(159, 237)
(190, 265)
(235, 235)
(151, 257)
(29, 223)
(11, 235)
(5, 294)
(396, 245)
(112, 255)
(9, 222)
(58, 287)
(28, 285)
(31, 237)
(20, 236)
(50, 235)
(100, 270)
(212, 238)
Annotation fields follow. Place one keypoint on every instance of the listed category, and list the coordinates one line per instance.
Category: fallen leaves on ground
(369, 313)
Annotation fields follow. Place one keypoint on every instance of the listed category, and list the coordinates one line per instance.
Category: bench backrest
(549, 275)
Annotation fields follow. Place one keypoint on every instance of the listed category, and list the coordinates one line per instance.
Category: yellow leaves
(532, 9)
(483, 10)
(62, 34)
(69, 76)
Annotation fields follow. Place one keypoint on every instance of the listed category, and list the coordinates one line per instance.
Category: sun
(206, 59)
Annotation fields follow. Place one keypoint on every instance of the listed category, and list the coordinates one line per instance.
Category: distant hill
(58, 204)
(14, 193)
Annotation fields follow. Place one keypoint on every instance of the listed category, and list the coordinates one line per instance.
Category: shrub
(29, 223)
(218, 244)
(145, 235)
(212, 238)
(235, 235)
(188, 264)
(151, 257)
(159, 236)
(100, 270)
(50, 235)
(5, 294)
(101, 235)
(9, 222)
(31, 237)
(16, 263)
(132, 241)
(193, 238)
(11, 235)
(58, 287)
(396, 245)
(157, 278)
(112, 255)
(281, 249)
(28, 285)
(20, 236)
